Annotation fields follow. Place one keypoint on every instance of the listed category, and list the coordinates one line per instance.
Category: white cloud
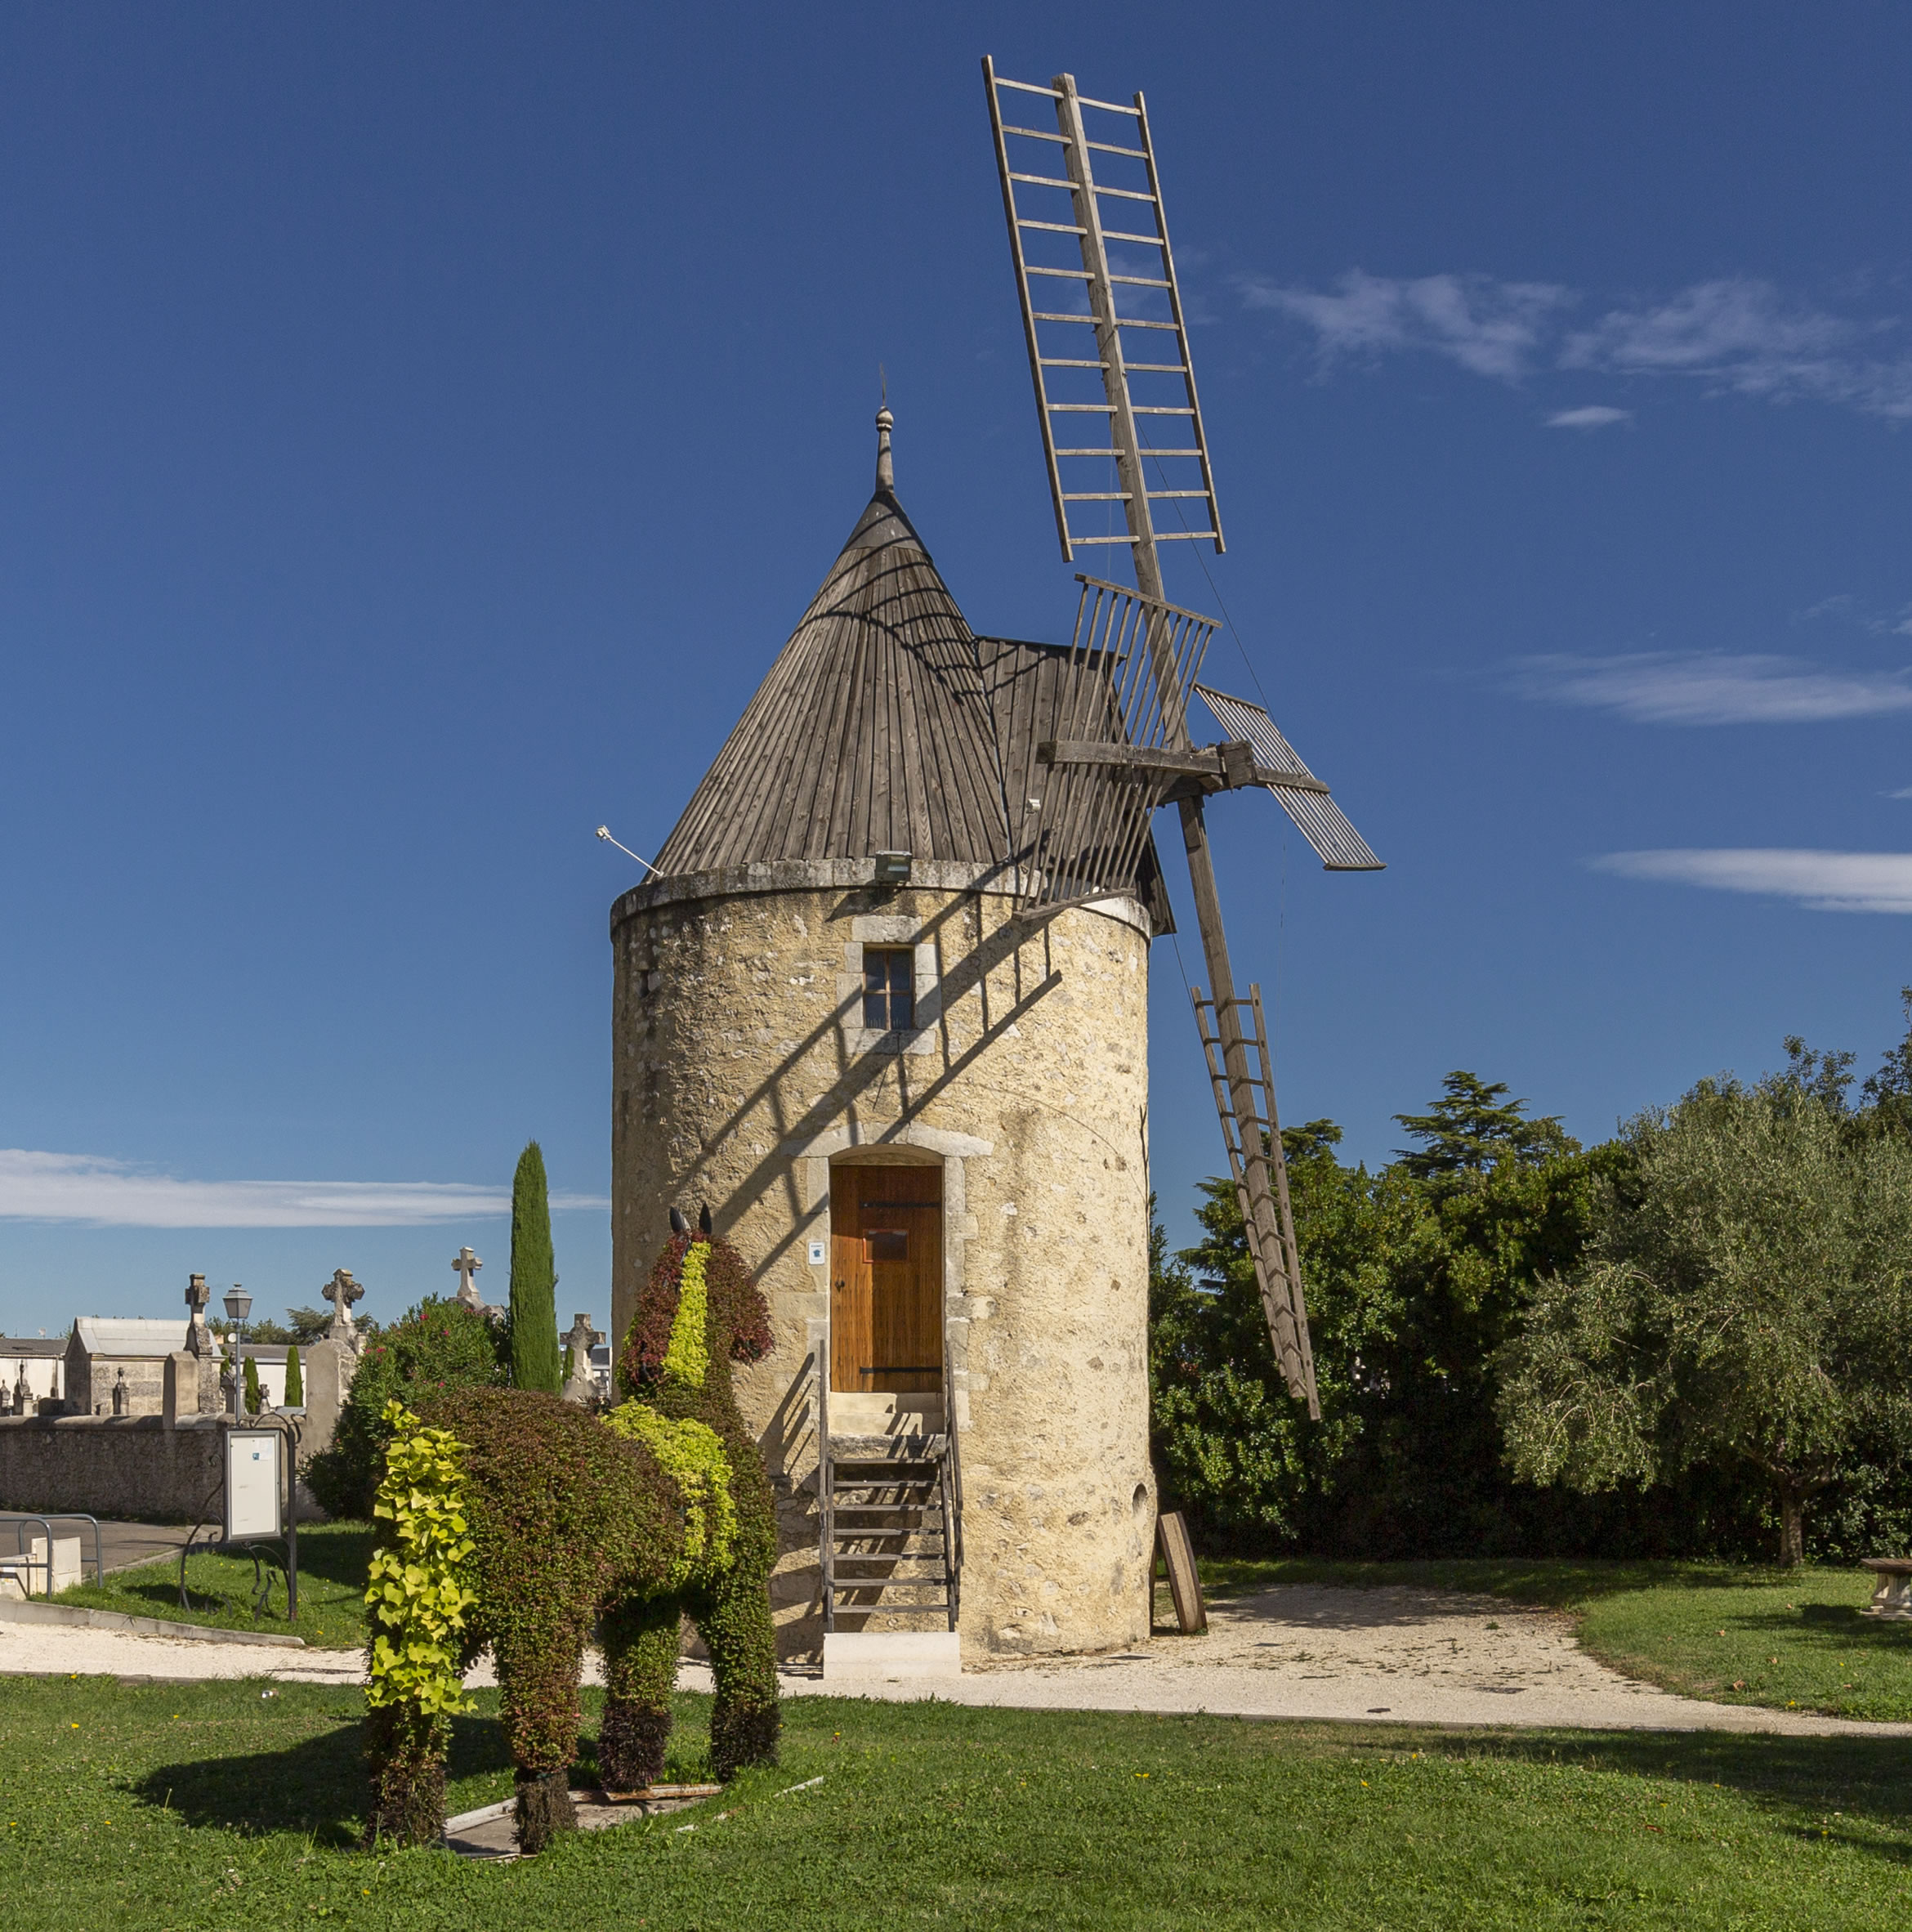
(1737, 334)
(1905, 794)
(1709, 688)
(1592, 416)
(1845, 608)
(44, 1187)
(1492, 327)
(1743, 335)
(1823, 881)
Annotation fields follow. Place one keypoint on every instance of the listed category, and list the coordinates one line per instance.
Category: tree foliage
(1413, 1277)
(1744, 1301)
(301, 1327)
(439, 1345)
(535, 1361)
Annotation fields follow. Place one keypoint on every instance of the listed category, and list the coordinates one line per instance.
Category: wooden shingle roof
(886, 724)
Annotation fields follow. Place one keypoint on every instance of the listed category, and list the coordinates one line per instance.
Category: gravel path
(1396, 1656)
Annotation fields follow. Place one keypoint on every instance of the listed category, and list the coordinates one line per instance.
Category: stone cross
(199, 1338)
(342, 1291)
(467, 1264)
(121, 1393)
(583, 1338)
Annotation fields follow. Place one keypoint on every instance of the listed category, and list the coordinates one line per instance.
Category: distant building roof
(109, 1335)
(20, 1347)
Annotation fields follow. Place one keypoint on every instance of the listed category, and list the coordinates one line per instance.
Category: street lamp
(238, 1304)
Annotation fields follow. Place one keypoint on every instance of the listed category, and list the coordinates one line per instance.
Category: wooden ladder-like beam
(1252, 1135)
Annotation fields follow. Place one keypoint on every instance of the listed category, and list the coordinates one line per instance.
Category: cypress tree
(534, 1335)
(295, 1380)
(255, 1401)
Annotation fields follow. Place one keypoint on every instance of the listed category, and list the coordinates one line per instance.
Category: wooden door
(886, 1279)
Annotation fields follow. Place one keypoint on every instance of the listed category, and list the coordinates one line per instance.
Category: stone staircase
(891, 1540)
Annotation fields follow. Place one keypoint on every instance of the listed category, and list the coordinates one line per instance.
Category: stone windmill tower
(883, 1006)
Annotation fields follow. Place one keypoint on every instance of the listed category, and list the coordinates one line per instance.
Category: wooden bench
(1893, 1596)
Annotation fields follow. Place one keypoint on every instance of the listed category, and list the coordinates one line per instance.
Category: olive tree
(1744, 1304)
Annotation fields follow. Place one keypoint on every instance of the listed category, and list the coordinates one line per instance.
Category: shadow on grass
(1550, 1583)
(335, 1557)
(318, 1787)
(1841, 1623)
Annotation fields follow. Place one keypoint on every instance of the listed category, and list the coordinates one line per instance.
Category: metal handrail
(820, 1368)
(20, 1524)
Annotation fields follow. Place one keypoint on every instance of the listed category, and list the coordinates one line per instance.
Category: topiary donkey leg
(538, 1684)
(735, 1618)
(407, 1752)
(640, 1672)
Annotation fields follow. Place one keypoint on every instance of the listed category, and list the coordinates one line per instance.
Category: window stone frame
(888, 932)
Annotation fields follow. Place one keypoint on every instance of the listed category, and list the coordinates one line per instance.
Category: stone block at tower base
(890, 1654)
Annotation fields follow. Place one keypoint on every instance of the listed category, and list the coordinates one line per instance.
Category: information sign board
(254, 1506)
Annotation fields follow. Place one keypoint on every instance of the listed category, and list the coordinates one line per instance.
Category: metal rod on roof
(604, 833)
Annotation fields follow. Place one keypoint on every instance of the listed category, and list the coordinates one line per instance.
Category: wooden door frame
(859, 1161)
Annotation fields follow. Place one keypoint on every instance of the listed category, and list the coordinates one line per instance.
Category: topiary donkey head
(698, 1312)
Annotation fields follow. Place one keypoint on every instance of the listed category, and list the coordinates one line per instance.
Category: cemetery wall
(742, 1071)
(109, 1465)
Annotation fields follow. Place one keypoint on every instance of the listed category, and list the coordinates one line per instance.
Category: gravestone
(466, 1264)
(202, 1346)
(342, 1291)
(580, 1387)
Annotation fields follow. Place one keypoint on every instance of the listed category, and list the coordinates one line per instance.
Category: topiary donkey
(551, 1521)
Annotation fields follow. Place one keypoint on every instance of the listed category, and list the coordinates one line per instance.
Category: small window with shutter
(889, 989)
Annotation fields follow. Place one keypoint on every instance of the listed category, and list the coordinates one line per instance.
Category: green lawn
(213, 1805)
(1787, 1638)
(333, 1561)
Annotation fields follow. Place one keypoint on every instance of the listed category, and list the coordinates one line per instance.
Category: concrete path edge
(77, 1618)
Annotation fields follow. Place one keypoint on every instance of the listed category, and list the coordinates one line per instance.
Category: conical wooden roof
(885, 725)
(872, 732)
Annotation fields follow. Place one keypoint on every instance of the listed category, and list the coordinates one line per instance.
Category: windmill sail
(1326, 826)
(1107, 339)
(1121, 423)
(1130, 662)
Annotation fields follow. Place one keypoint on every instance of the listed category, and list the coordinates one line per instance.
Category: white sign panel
(251, 1483)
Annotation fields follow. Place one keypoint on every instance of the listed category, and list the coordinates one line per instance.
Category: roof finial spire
(886, 467)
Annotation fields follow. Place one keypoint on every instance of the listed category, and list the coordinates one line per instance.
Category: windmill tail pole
(1262, 1177)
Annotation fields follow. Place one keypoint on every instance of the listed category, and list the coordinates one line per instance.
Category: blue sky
(419, 428)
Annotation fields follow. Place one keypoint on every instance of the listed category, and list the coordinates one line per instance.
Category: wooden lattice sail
(1107, 337)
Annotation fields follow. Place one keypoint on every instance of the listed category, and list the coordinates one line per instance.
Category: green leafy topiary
(418, 1596)
(295, 1381)
(624, 1526)
(535, 1335)
(693, 1456)
(255, 1399)
(687, 1360)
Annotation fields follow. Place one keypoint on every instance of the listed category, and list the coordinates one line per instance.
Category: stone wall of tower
(741, 1071)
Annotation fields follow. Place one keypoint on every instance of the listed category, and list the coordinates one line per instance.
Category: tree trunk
(1792, 1505)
